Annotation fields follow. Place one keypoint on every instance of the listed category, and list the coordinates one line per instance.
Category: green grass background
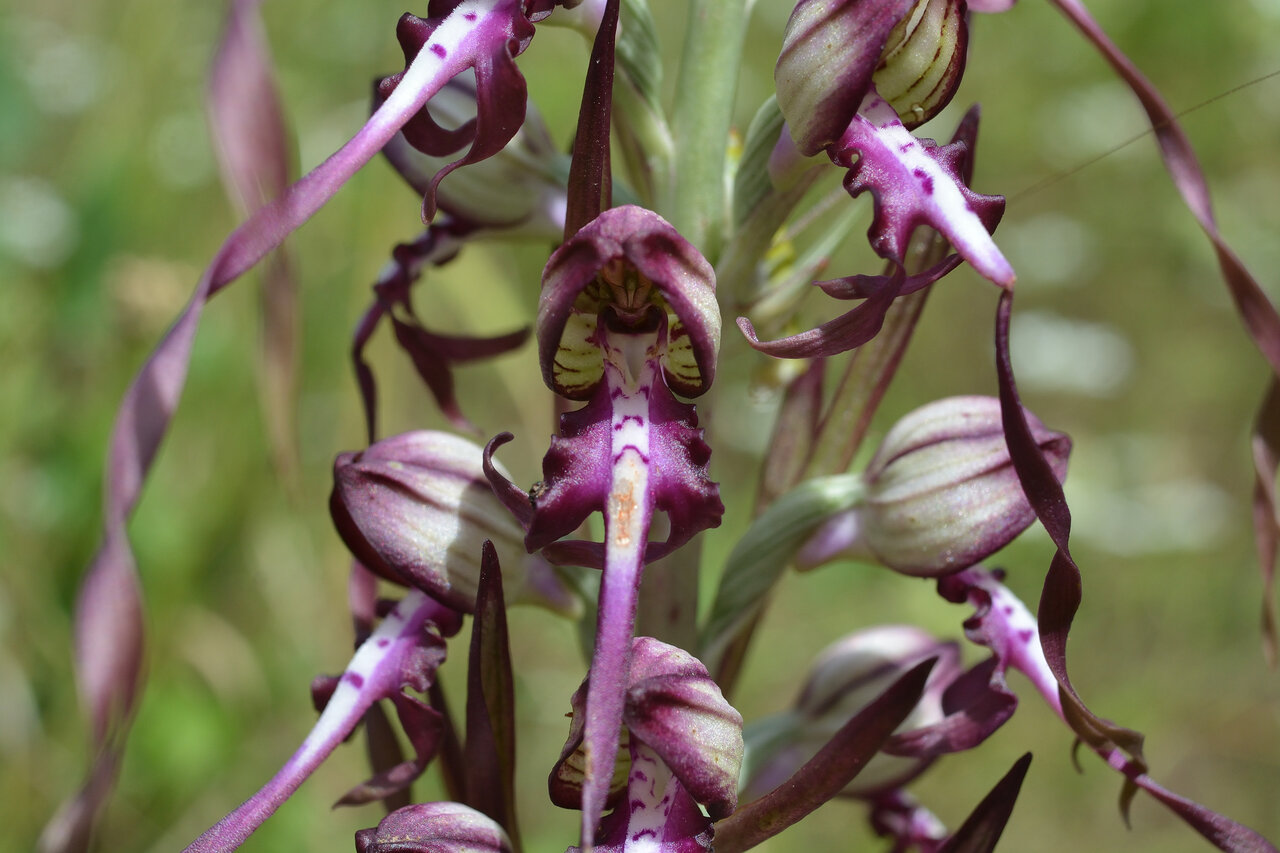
(110, 205)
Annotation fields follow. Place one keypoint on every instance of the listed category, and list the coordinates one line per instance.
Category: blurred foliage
(110, 205)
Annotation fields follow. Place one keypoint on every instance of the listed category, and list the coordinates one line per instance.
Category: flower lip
(628, 265)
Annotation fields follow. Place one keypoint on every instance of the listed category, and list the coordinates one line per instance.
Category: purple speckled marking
(1008, 610)
(926, 182)
(1026, 635)
(438, 50)
(906, 146)
(355, 679)
(383, 642)
(470, 16)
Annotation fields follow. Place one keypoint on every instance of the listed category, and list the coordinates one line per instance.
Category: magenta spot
(355, 679)
(383, 642)
(926, 182)
(906, 146)
(1026, 635)
(438, 50)
(1008, 609)
(470, 16)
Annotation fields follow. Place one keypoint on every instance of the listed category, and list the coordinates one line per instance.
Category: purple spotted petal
(434, 828)
(675, 277)
(916, 182)
(404, 651)
(515, 188)
(659, 814)
(500, 87)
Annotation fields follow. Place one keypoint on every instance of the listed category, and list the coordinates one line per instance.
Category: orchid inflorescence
(627, 331)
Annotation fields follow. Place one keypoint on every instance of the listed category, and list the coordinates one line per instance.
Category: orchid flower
(627, 319)
(684, 745)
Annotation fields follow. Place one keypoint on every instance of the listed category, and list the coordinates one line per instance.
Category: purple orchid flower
(684, 746)
(1002, 623)
(627, 319)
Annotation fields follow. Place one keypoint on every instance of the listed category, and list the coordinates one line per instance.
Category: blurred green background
(110, 205)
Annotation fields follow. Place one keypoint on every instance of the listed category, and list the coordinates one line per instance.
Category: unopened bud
(846, 677)
(832, 53)
(415, 508)
(434, 828)
(942, 492)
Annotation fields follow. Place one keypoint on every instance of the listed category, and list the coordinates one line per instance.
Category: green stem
(694, 200)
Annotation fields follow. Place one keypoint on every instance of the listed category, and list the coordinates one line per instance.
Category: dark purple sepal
(916, 182)
(827, 773)
(590, 173)
(865, 286)
(517, 501)
(985, 824)
(1119, 747)
(423, 727)
(433, 355)
(1266, 511)
(500, 89)
(829, 53)
(434, 828)
(491, 727)
(974, 706)
(849, 330)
